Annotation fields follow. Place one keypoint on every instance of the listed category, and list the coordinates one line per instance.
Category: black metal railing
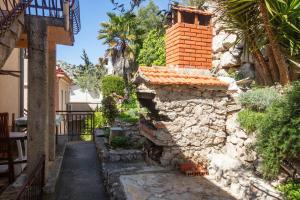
(9, 11)
(55, 9)
(33, 189)
(12, 9)
(75, 16)
(76, 125)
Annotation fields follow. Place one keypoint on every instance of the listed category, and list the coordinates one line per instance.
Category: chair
(13, 123)
(6, 157)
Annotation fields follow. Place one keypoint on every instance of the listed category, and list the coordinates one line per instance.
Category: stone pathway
(170, 186)
(80, 178)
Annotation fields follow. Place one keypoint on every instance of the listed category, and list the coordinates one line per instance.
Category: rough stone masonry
(197, 123)
(193, 115)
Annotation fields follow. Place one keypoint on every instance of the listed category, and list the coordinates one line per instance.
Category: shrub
(250, 120)
(100, 121)
(130, 116)
(109, 109)
(279, 137)
(112, 84)
(290, 190)
(130, 110)
(120, 142)
(153, 51)
(259, 99)
(86, 138)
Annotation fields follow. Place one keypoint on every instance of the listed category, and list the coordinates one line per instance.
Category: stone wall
(195, 124)
(130, 130)
(200, 125)
(227, 51)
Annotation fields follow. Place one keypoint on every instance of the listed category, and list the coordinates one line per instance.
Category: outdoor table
(19, 137)
(22, 121)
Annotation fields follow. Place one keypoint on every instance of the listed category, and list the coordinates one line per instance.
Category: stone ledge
(123, 155)
(170, 185)
(49, 188)
(230, 174)
(113, 169)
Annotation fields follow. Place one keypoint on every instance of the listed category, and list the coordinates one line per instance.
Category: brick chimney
(189, 39)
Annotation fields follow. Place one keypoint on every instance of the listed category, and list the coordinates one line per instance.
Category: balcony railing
(12, 9)
(76, 125)
(55, 9)
(9, 11)
(33, 189)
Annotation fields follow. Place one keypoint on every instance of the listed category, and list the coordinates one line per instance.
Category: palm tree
(285, 23)
(274, 27)
(274, 45)
(247, 27)
(120, 33)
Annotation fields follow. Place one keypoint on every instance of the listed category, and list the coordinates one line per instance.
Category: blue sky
(93, 12)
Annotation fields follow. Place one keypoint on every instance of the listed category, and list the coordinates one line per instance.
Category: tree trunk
(125, 77)
(272, 65)
(279, 57)
(263, 70)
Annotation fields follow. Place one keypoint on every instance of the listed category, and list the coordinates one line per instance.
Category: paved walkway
(80, 178)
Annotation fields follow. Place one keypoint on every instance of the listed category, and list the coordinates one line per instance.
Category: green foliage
(99, 120)
(285, 17)
(112, 84)
(86, 138)
(130, 116)
(124, 8)
(153, 51)
(233, 73)
(279, 139)
(290, 190)
(250, 120)
(244, 18)
(196, 3)
(87, 76)
(122, 35)
(259, 99)
(149, 19)
(120, 142)
(109, 109)
(130, 111)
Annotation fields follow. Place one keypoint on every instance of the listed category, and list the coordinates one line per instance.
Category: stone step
(113, 171)
(125, 156)
(169, 185)
(118, 155)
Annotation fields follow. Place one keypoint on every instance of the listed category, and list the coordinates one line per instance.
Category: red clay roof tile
(171, 76)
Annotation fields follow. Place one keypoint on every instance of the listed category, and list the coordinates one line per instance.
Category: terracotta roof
(173, 76)
(60, 73)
